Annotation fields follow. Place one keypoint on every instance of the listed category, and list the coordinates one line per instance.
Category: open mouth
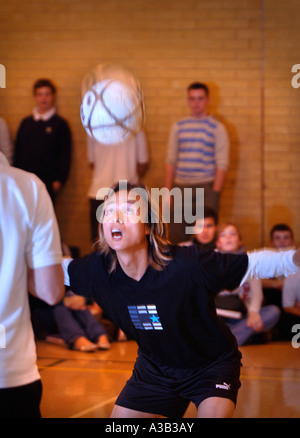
(116, 233)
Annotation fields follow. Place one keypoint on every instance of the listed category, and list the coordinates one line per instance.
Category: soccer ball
(112, 107)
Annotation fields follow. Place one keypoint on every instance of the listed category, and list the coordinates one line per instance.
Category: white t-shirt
(6, 145)
(291, 291)
(29, 236)
(116, 162)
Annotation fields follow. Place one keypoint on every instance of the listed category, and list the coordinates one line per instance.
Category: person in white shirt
(6, 144)
(290, 317)
(30, 259)
(127, 160)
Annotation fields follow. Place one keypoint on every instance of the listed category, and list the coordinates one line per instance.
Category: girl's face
(124, 224)
(229, 239)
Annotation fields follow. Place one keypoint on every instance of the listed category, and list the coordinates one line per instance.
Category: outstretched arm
(65, 264)
(79, 273)
(272, 263)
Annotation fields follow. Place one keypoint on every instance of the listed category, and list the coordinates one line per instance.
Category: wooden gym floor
(85, 385)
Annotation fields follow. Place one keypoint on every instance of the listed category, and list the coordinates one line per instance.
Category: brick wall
(243, 49)
(282, 110)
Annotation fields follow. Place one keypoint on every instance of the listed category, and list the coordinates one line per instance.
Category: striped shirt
(197, 147)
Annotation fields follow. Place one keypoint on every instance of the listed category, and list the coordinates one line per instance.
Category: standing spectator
(6, 145)
(43, 143)
(197, 155)
(30, 254)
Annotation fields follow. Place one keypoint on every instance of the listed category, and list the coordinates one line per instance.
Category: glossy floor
(85, 385)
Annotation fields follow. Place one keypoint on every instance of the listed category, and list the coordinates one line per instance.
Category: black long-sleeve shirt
(170, 313)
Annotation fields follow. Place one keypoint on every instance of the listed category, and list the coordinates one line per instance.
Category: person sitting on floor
(251, 317)
(204, 231)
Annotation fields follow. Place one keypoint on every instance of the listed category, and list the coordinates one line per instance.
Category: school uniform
(43, 147)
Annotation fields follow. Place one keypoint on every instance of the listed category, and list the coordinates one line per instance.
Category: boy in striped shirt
(198, 154)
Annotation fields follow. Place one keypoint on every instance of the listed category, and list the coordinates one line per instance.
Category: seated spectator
(77, 326)
(291, 306)
(281, 237)
(70, 322)
(250, 318)
(205, 231)
(114, 333)
(284, 291)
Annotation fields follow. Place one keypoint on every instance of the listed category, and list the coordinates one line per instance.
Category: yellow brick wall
(243, 49)
(282, 111)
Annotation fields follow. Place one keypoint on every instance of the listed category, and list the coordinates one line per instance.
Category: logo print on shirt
(145, 317)
(224, 386)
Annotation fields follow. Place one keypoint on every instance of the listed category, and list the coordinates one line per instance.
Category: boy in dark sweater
(43, 142)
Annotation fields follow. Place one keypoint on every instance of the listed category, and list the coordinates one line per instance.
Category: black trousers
(21, 401)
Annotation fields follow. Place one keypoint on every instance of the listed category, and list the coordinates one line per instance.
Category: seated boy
(205, 231)
(291, 306)
(281, 237)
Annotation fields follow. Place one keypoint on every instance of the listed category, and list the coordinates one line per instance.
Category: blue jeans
(75, 323)
(270, 316)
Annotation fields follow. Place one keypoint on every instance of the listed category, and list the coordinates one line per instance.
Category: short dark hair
(44, 83)
(210, 212)
(281, 227)
(198, 86)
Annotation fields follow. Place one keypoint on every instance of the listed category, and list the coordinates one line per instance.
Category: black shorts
(167, 391)
(21, 401)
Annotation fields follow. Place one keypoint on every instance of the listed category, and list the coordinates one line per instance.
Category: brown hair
(44, 83)
(224, 225)
(281, 227)
(198, 86)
